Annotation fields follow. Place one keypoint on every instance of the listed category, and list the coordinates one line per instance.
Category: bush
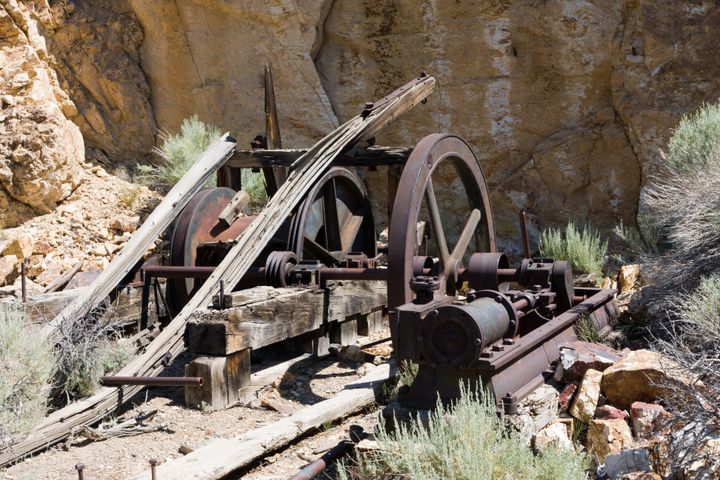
(27, 367)
(179, 153)
(695, 141)
(465, 441)
(582, 248)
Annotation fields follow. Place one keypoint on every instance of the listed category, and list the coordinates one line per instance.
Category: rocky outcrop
(40, 150)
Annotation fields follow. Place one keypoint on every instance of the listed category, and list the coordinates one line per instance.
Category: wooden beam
(250, 243)
(222, 456)
(358, 157)
(60, 282)
(266, 315)
(235, 208)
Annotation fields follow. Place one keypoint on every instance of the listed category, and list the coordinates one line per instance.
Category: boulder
(124, 223)
(606, 436)
(608, 412)
(628, 277)
(642, 375)
(554, 435)
(627, 461)
(534, 412)
(7, 269)
(588, 395)
(577, 357)
(20, 246)
(645, 418)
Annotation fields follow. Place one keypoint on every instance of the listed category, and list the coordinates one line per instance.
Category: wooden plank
(212, 159)
(266, 316)
(222, 456)
(235, 208)
(375, 156)
(60, 282)
(169, 343)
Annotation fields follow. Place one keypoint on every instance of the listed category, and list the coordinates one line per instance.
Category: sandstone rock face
(207, 57)
(586, 400)
(643, 376)
(40, 150)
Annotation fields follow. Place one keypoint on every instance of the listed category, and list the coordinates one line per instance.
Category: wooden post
(223, 377)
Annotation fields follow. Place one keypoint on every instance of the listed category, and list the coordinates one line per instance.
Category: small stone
(606, 436)
(554, 435)
(642, 375)
(124, 223)
(626, 461)
(42, 247)
(644, 418)
(640, 476)
(7, 269)
(20, 246)
(588, 395)
(566, 396)
(608, 412)
(98, 250)
(577, 357)
(628, 277)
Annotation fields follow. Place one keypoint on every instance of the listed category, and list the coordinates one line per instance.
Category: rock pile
(616, 396)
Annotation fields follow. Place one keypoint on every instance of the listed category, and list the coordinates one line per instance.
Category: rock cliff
(566, 103)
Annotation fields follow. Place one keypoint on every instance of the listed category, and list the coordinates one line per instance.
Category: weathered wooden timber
(305, 172)
(60, 282)
(222, 456)
(212, 159)
(375, 156)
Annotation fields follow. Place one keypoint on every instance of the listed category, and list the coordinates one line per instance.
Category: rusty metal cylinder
(455, 335)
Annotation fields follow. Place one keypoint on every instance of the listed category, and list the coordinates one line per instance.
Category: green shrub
(699, 311)
(254, 184)
(178, 153)
(695, 140)
(27, 367)
(582, 248)
(463, 442)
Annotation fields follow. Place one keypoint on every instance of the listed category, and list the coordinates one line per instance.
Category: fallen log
(169, 344)
(212, 159)
(222, 456)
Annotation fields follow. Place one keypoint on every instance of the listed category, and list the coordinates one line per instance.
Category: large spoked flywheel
(442, 184)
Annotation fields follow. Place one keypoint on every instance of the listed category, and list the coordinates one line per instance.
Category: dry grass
(582, 248)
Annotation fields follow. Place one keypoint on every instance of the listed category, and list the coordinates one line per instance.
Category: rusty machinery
(456, 307)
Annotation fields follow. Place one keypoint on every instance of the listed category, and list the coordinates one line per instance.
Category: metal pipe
(353, 273)
(340, 450)
(23, 282)
(524, 234)
(115, 381)
(80, 467)
(163, 271)
(153, 473)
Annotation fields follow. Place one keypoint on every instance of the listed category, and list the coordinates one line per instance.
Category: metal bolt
(153, 464)
(369, 105)
(23, 281)
(80, 467)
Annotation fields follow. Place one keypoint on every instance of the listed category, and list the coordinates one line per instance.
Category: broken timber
(358, 157)
(212, 159)
(222, 456)
(169, 343)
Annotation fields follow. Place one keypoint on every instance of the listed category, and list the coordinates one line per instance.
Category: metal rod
(23, 281)
(153, 473)
(163, 271)
(524, 234)
(80, 467)
(338, 451)
(222, 294)
(353, 273)
(115, 381)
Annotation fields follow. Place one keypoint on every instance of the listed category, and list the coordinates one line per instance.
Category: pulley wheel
(448, 160)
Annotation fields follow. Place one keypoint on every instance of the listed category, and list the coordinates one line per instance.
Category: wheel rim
(415, 190)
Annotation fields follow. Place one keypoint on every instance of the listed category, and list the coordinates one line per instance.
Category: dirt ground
(185, 429)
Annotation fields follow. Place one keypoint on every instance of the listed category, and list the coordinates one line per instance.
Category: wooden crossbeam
(358, 157)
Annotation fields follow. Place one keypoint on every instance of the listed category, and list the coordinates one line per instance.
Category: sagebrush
(583, 248)
(27, 368)
(462, 442)
(179, 152)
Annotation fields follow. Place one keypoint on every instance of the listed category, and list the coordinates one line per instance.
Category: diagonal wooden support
(169, 343)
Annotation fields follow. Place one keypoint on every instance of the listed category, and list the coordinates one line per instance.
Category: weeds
(582, 248)
(464, 441)
(179, 153)
(27, 367)
(587, 330)
(695, 141)
(254, 184)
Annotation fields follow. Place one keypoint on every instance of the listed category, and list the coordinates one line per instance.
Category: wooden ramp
(169, 344)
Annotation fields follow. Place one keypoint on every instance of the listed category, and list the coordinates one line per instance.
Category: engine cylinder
(455, 335)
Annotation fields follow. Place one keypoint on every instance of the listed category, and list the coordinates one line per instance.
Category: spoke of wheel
(436, 223)
(330, 217)
(319, 252)
(349, 231)
(465, 237)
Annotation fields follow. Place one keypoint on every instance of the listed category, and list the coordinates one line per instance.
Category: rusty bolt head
(79, 467)
(153, 462)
